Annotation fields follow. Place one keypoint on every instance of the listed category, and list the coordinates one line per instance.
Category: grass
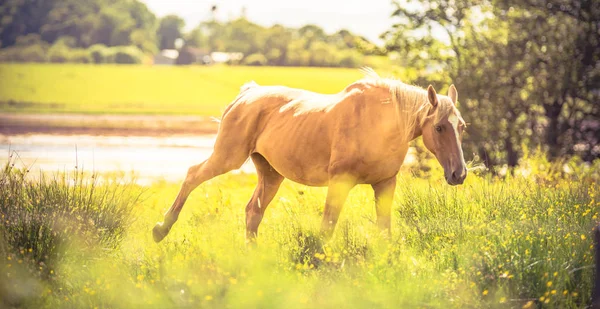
(512, 242)
(165, 90)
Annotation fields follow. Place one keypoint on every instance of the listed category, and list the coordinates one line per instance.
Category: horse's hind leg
(269, 181)
(217, 164)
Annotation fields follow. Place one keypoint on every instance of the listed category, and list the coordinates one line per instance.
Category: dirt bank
(121, 125)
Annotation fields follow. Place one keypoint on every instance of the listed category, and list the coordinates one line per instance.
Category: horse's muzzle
(457, 177)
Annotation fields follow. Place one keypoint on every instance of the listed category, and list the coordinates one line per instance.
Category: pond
(151, 158)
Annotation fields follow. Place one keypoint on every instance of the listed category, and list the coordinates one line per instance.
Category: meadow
(149, 90)
(80, 240)
(511, 239)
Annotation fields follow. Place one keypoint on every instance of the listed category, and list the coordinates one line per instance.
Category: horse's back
(286, 126)
(300, 133)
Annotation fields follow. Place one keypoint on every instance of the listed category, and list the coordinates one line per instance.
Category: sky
(368, 18)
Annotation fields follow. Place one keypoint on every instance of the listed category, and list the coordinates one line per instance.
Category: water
(149, 158)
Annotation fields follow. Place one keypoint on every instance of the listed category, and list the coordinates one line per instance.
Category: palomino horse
(357, 136)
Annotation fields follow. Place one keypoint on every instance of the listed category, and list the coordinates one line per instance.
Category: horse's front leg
(339, 187)
(384, 195)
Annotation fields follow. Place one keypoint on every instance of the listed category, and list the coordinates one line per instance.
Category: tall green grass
(495, 242)
(47, 220)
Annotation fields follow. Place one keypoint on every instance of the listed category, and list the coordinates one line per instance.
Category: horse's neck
(418, 132)
(418, 129)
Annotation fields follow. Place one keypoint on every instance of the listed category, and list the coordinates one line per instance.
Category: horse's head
(442, 134)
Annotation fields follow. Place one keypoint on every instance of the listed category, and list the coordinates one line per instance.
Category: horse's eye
(438, 128)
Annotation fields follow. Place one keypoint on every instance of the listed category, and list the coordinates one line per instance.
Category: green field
(518, 242)
(75, 240)
(113, 89)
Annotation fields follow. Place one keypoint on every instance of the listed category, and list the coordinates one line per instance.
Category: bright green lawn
(76, 88)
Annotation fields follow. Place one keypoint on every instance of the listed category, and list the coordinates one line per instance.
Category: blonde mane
(411, 102)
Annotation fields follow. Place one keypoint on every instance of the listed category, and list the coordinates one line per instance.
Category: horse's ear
(432, 95)
(453, 94)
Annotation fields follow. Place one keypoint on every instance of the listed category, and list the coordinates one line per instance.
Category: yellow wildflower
(528, 305)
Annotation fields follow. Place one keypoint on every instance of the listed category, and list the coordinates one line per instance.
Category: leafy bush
(32, 53)
(59, 53)
(350, 58)
(28, 48)
(30, 39)
(98, 53)
(255, 60)
(80, 55)
(323, 55)
(297, 55)
(128, 55)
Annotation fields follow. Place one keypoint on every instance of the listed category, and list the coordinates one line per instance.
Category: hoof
(251, 242)
(159, 232)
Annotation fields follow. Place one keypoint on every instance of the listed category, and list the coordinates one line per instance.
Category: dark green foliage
(112, 23)
(28, 48)
(255, 60)
(128, 55)
(99, 53)
(94, 23)
(59, 53)
(306, 46)
(527, 72)
(169, 30)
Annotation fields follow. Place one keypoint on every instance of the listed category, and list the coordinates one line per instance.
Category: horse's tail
(248, 85)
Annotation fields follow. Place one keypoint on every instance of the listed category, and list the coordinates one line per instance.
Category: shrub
(34, 53)
(255, 60)
(323, 55)
(80, 55)
(28, 48)
(350, 59)
(30, 39)
(128, 55)
(59, 53)
(275, 57)
(98, 53)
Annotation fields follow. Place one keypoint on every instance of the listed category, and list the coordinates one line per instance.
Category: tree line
(125, 31)
(529, 71)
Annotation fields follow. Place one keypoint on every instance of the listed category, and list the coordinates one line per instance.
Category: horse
(357, 136)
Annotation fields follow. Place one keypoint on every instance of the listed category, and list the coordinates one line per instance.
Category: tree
(529, 70)
(170, 29)
(244, 36)
(115, 22)
(563, 37)
(196, 38)
(276, 44)
(20, 18)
